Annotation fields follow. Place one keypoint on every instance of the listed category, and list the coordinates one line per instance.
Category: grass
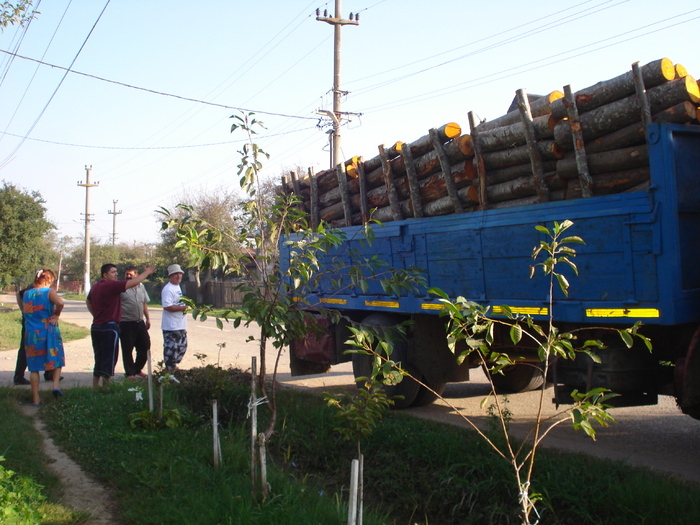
(416, 471)
(11, 330)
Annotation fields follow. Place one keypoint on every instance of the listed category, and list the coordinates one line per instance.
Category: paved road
(658, 437)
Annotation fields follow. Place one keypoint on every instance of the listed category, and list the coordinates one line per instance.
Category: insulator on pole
(318, 12)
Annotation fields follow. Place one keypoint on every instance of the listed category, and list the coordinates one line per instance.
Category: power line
(155, 92)
(9, 157)
(153, 147)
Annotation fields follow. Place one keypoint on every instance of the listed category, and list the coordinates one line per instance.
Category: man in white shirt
(174, 322)
(134, 326)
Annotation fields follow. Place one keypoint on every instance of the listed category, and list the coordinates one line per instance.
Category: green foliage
(18, 498)
(22, 231)
(358, 412)
(19, 12)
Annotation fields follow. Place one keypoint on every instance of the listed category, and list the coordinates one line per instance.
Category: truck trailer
(639, 263)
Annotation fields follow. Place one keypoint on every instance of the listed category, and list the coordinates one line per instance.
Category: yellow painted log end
(693, 89)
(555, 95)
(680, 71)
(668, 70)
(452, 130)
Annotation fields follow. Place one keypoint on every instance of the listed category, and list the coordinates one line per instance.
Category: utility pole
(336, 116)
(87, 185)
(114, 221)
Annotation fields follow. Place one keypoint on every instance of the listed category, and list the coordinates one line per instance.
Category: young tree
(12, 13)
(23, 226)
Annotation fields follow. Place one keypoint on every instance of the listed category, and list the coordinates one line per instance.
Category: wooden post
(390, 186)
(352, 504)
(345, 197)
(313, 185)
(413, 187)
(262, 445)
(575, 123)
(641, 94)
(362, 182)
(150, 382)
(160, 400)
(215, 431)
(535, 157)
(295, 183)
(253, 406)
(446, 170)
(478, 162)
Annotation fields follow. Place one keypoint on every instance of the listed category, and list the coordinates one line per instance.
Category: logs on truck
(563, 145)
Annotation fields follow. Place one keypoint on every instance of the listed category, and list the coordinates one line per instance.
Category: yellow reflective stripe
(622, 312)
(431, 306)
(524, 310)
(331, 300)
(385, 304)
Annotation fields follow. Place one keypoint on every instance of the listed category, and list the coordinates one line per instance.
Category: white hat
(174, 268)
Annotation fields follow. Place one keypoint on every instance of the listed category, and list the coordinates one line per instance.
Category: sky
(143, 91)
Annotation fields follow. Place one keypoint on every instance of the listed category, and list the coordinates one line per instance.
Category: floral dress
(42, 340)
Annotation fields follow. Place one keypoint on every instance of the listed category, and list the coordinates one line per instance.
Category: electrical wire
(9, 157)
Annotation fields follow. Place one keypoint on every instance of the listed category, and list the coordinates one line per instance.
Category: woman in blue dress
(42, 341)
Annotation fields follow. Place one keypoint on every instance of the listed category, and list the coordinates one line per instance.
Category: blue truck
(641, 262)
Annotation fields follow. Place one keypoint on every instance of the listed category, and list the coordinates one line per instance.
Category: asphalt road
(659, 437)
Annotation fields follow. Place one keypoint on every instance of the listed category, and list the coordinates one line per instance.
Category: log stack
(563, 145)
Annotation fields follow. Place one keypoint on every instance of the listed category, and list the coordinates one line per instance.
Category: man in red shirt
(104, 303)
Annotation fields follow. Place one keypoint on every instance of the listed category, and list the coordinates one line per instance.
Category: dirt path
(80, 492)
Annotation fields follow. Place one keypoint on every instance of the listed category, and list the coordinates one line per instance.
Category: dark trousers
(134, 334)
(105, 345)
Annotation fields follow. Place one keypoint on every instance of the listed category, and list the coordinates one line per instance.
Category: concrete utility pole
(87, 185)
(114, 221)
(336, 116)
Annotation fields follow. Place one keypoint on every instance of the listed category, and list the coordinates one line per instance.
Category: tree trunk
(539, 107)
(607, 91)
(617, 115)
(634, 134)
(513, 172)
(615, 160)
(514, 134)
(520, 155)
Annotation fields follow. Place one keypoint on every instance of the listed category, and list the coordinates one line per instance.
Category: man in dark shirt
(104, 303)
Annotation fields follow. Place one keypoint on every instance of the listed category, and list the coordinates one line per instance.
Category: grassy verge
(416, 471)
(32, 493)
(11, 330)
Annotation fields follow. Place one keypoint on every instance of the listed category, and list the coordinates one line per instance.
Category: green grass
(11, 330)
(21, 446)
(416, 471)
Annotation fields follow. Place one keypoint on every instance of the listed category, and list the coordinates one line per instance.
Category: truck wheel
(519, 378)
(362, 365)
(425, 396)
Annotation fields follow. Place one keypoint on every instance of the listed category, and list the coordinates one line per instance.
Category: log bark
(609, 183)
(549, 150)
(621, 113)
(614, 160)
(513, 172)
(634, 134)
(621, 86)
(539, 107)
(514, 135)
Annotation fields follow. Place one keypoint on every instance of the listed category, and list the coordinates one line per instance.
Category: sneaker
(141, 374)
(131, 378)
(22, 381)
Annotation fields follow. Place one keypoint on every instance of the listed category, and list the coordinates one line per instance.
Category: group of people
(119, 309)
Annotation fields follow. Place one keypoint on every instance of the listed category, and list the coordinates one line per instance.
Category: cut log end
(680, 71)
(555, 95)
(452, 130)
(668, 70)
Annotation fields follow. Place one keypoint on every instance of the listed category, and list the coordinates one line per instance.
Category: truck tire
(407, 389)
(522, 377)
(425, 396)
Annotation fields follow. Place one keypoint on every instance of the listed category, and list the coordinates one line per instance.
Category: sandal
(57, 393)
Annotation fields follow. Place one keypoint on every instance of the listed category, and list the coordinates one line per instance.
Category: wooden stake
(575, 126)
(535, 157)
(478, 161)
(446, 170)
(315, 220)
(641, 94)
(343, 186)
(253, 426)
(362, 181)
(150, 381)
(389, 182)
(352, 504)
(215, 432)
(412, 183)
